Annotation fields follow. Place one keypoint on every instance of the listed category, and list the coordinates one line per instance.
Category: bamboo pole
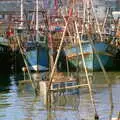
(29, 74)
(59, 49)
(100, 62)
(105, 20)
(105, 74)
(54, 66)
(68, 31)
(86, 72)
(56, 60)
(53, 70)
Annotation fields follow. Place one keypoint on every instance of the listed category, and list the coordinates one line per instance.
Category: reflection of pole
(49, 103)
(119, 116)
(49, 115)
(111, 102)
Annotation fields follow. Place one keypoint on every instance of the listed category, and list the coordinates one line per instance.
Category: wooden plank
(68, 87)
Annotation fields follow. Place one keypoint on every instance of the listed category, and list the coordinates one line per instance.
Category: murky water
(20, 103)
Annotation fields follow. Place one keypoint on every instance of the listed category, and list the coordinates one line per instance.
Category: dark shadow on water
(6, 78)
(4, 82)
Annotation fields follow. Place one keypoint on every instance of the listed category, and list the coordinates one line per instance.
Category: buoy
(24, 69)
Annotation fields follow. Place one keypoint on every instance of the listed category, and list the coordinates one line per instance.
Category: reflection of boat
(5, 50)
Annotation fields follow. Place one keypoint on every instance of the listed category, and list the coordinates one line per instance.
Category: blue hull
(91, 61)
(38, 59)
(106, 58)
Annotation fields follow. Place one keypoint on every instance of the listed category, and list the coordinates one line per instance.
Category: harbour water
(20, 103)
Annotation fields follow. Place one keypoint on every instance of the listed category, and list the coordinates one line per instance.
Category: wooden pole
(56, 60)
(86, 72)
(68, 31)
(29, 74)
(105, 20)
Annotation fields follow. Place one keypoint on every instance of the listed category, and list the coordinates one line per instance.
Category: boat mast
(21, 13)
(36, 27)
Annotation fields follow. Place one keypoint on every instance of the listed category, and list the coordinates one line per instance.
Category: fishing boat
(36, 50)
(96, 51)
(73, 55)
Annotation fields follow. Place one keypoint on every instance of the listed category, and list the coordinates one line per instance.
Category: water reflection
(20, 103)
(4, 82)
